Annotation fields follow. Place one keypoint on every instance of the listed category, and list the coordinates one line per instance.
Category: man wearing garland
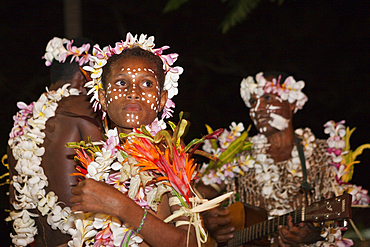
(285, 169)
(39, 160)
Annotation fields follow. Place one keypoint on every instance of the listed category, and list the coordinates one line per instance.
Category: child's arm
(99, 197)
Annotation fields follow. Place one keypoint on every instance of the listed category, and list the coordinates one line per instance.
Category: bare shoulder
(79, 105)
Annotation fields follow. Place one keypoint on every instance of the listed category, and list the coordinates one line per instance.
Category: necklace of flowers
(25, 139)
(232, 162)
(100, 57)
(290, 90)
(344, 159)
(140, 168)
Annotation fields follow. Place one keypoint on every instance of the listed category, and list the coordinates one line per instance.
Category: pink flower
(104, 238)
(167, 111)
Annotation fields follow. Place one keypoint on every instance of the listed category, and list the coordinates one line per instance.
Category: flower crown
(99, 60)
(55, 49)
(290, 90)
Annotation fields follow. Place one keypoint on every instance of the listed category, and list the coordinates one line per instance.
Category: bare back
(74, 121)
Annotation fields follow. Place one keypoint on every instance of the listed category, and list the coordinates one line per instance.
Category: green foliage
(173, 5)
(239, 11)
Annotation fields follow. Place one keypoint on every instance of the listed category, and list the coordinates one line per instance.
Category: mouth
(262, 120)
(132, 107)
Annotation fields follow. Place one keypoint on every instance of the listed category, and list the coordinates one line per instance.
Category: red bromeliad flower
(84, 159)
(173, 165)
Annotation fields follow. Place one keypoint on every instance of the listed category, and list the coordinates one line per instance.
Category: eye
(147, 84)
(121, 83)
(268, 97)
(252, 101)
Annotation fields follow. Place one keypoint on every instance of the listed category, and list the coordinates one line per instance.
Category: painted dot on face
(144, 69)
(119, 95)
(115, 97)
(114, 89)
(110, 99)
(119, 90)
(125, 90)
(150, 70)
(137, 117)
(149, 95)
(142, 99)
(124, 95)
(129, 72)
(155, 108)
(143, 93)
(151, 106)
(133, 80)
(134, 70)
(128, 120)
(139, 69)
(128, 114)
(148, 101)
(128, 68)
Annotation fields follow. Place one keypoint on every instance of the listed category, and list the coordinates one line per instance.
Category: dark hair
(136, 52)
(67, 70)
(276, 74)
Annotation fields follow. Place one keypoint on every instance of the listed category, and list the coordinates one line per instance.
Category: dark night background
(325, 43)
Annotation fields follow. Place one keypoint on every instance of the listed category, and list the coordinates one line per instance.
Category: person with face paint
(133, 82)
(285, 168)
(39, 161)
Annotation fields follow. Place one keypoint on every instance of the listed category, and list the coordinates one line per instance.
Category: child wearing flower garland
(40, 163)
(136, 84)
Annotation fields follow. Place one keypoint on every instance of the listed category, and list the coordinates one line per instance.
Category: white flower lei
(290, 90)
(99, 60)
(30, 182)
(126, 178)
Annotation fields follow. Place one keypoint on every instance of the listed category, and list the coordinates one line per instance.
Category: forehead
(269, 98)
(125, 63)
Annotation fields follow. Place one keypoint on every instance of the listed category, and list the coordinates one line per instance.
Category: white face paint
(267, 109)
(134, 90)
(278, 122)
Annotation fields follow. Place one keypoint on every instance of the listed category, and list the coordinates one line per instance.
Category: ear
(164, 97)
(102, 99)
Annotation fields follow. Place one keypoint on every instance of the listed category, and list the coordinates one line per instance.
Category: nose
(259, 107)
(133, 93)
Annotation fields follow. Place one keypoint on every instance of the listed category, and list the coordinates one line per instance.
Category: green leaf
(164, 135)
(207, 155)
(173, 5)
(239, 12)
(193, 142)
(123, 135)
(213, 141)
(145, 131)
(234, 148)
(359, 150)
(172, 125)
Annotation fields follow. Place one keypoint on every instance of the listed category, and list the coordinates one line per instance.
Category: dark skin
(281, 145)
(99, 197)
(57, 161)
